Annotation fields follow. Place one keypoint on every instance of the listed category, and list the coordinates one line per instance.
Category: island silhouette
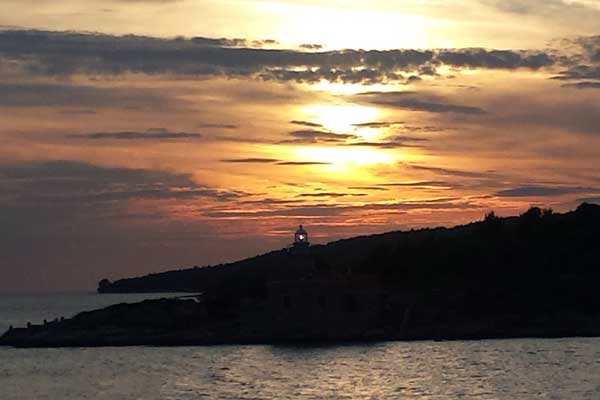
(535, 275)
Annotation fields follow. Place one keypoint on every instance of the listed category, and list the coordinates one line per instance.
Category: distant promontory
(535, 275)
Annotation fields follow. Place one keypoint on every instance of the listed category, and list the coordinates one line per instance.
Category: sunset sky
(139, 136)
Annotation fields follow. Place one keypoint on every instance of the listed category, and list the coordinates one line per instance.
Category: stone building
(322, 308)
(312, 306)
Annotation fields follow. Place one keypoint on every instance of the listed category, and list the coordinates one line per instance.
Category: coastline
(101, 328)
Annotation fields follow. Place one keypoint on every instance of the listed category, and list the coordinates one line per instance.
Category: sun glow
(341, 118)
(344, 157)
(344, 24)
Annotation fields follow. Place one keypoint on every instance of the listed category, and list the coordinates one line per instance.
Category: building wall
(314, 308)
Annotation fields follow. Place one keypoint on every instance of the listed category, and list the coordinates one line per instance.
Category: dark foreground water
(491, 369)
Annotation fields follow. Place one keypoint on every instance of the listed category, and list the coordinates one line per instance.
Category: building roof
(301, 231)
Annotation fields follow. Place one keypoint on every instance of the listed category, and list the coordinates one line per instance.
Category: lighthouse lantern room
(301, 237)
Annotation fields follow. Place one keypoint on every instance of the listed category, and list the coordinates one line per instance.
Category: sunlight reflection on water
(503, 369)
(491, 369)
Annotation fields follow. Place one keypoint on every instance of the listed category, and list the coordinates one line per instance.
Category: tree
(103, 285)
(491, 217)
(534, 213)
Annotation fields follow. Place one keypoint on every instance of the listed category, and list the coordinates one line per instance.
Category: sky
(138, 136)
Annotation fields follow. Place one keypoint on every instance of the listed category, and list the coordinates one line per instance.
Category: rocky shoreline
(177, 322)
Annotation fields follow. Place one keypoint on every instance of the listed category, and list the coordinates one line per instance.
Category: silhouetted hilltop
(537, 251)
(535, 275)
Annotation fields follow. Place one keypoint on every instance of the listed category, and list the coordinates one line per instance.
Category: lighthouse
(301, 238)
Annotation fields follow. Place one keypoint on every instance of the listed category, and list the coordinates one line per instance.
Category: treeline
(537, 255)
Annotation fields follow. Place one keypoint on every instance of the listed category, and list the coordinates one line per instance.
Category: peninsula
(535, 275)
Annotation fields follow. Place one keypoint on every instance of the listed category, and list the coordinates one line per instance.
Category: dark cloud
(494, 59)
(519, 6)
(70, 170)
(391, 144)
(64, 225)
(583, 63)
(418, 184)
(239, 139)
(583, 85)
(156, 134)
(217, 126)
(306, 123)
(270, 161)
(416, 102)
(379, 188)
(57, 95)
(224, 42)
(576, 113)
(366, 76)
(301, 163)
(82, 184)
(589, 200)
(292, 211)
(399, 126)
(271, 202)
(67, 53)
(308, 46)
(577, 11)
(579, 72)
(250, 160)
(589, 45)
(540, 191)
(378, 124)
(78, 112)
(330, 194)
(451, 172)
(327, 210)
(314, 135)
(63, 208)
(409, 128)
(210, 42)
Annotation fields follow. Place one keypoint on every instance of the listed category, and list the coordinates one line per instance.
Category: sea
(488, 369)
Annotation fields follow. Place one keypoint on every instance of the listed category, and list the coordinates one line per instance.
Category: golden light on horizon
(344, 159)
(341, 118)
(224, 120)
(335, 25)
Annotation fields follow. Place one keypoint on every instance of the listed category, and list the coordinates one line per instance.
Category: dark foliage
(538, 261)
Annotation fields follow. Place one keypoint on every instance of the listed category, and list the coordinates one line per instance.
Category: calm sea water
(492, 369)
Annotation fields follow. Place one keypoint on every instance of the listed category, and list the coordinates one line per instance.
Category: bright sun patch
(347, 157)
(341, 118)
